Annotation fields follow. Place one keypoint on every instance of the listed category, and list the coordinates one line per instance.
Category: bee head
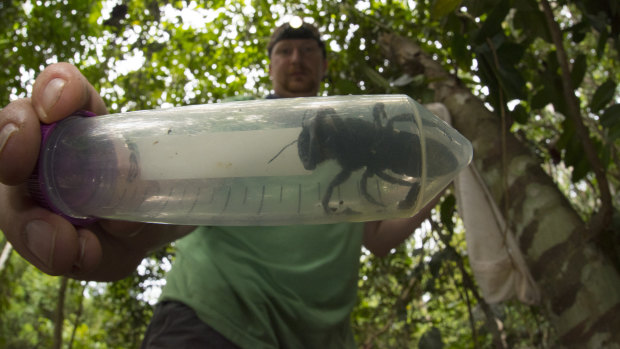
(308, 144)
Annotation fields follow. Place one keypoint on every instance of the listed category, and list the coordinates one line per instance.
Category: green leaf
(434, 265)
(579, 70)
(462, 56)
(579, 31)
(603, 95)
(614, 133)
(541, 98)
(611, 116)
(611, 121)
(531, 20)
(510, 53)
(447, 208)
(602, 42)
(573, 152)
(442, 7)
(345, 86)
(519, 114)
(493, 23)
(431, 339)
(477, 8)
(506, 75)
(598, 21)
(512, 82)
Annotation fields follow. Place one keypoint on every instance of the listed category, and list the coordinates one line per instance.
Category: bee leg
(339, 179)
(393, 180)
(378, 113)
(364, 189)
(411, 197)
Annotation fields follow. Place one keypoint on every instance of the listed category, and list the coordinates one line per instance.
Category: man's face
(297, 67)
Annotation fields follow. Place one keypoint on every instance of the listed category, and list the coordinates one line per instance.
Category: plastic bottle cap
(36, 182)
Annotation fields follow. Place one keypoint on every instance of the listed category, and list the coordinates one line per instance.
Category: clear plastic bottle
(261, 162)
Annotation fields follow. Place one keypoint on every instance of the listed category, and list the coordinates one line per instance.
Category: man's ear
(269, 71)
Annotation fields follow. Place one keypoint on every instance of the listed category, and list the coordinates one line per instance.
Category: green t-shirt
(266, 287)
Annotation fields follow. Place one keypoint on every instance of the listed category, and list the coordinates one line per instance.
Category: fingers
(20, 138)
(89, 254)
(61, 90)
(124, 245)
(105, 251)
(58, 91)
(122, 228)
(44, 239)
(56, 247)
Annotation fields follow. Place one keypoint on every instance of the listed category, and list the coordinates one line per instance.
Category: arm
(382, 236)
(104, 251)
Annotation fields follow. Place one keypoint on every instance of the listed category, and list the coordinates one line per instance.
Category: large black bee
(356, 143)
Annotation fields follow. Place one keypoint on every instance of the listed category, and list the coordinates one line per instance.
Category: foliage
(144, 54)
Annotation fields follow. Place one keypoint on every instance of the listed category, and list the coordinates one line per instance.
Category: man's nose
(296, 55)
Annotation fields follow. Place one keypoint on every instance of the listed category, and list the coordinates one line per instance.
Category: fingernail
(52, 92)
(78, 265)
(41, 239)
(7, 131)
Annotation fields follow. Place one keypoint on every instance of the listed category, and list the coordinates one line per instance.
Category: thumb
(60, 90)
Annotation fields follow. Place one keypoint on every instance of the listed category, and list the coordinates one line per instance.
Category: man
(251, 287)
(298, 61)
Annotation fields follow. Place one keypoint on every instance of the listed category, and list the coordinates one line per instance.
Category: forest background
(532, 83)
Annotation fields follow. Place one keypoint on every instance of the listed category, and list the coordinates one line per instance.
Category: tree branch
(401, 300)
(503, 130)
(601, 220)
(78, 315)
(60, 313)
(468, 282)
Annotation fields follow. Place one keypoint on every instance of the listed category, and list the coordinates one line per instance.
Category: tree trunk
(60, 313)
(78, 316)
(579, 286)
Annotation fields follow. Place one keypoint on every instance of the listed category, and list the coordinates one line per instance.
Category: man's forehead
(297, 42)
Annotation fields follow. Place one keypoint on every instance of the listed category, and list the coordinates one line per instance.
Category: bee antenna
(281, 150)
